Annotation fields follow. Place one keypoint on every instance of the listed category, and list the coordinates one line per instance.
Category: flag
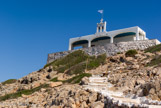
(100, 11)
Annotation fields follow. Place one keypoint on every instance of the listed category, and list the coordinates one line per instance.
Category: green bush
(155, 61)
(76, 62)
(10, 81)
(54, 79)
(153, 49)
(77, 78)
(94, 62)
(19, 93)
(118, 52)
(131, 53)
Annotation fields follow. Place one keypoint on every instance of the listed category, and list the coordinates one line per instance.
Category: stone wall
(110, 49)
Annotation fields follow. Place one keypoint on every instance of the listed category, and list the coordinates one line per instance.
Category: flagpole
(102, 16)
(101, 12)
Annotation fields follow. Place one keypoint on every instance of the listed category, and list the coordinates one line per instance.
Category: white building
(102, 37)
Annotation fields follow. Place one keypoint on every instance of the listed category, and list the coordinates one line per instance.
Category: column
(137, 34)
(111, 40)
(89, 43)
(100, 28)
(70, 46)
(104, 26)
(144, 38)
(97, 29)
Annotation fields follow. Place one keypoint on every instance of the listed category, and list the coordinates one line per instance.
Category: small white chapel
(102, 36)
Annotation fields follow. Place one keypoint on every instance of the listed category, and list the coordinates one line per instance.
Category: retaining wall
(110, 49)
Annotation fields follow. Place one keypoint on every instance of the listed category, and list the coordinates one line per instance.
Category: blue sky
(30, 29)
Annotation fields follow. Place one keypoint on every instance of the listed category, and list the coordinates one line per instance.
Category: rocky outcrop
(71, 96)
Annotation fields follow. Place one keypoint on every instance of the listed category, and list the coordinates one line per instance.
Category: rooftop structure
(102, 36)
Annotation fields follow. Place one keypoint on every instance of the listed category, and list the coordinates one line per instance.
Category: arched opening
(123, 37)
(100, 41)
(80, 44)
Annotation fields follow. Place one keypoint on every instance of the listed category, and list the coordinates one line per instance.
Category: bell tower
(101, 27)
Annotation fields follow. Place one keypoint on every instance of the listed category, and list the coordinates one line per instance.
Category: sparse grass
(155, 61)
(94, 62)
(77, 69)
(19, 93)
(68, 61)
(119, 53)
(153, 49)
(131, 53)
(76, 62)
(10, 81)
(54, 79)
(77, 78)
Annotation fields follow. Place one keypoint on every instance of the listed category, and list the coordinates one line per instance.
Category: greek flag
(100, 11)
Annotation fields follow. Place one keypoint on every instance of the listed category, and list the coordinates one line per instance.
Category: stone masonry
(110, 49)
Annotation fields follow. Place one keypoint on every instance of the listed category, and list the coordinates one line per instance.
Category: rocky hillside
(61, 83)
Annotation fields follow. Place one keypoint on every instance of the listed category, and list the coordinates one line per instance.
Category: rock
(84, 81)
(140, 93)
(42, 89)
(85, 97)
(97, 104)
(159, 94)
(138, 56)
(159, 72)
(55, 84)
(152, 91)
(135, 66)
(92, 97)
(61, 76)
(122, 59)
(35, 84)
(129, 58)
(25, 81)
(84, 105)
(71, 103)
(148, 54)
(140, 81)
(157, 85)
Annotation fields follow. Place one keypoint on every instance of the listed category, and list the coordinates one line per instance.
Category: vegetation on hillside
(156, 61)
(77, 78)
(131, 53)
(74, 80)
(76, 62)
(153, 49)
(10, 81)
(19, 93)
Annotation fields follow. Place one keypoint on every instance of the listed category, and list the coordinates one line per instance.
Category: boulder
(93, 97)
(140, 93)
(35, 84)
(97, 104)
(152, 91)
(135, 66)
(159, 94)
(129, 58)
(157, 85)
(84, 81)
(55, 84)
(140, 81)
(84, 105)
